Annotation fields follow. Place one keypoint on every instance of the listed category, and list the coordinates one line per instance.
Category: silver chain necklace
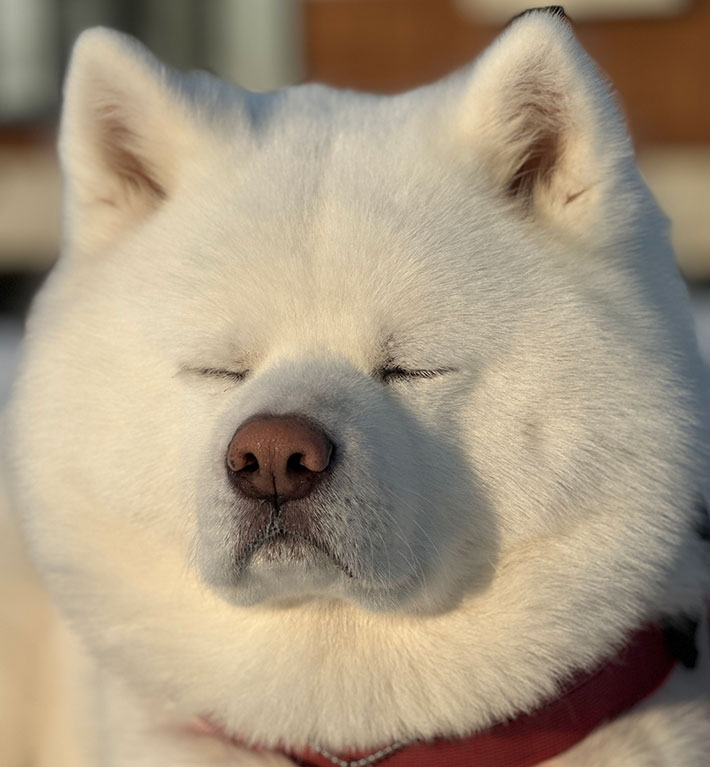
(366, 760)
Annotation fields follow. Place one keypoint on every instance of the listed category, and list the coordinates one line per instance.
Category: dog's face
(347, 346)
(333, 346)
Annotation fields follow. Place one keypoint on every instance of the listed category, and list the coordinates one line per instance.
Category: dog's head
(326, 345)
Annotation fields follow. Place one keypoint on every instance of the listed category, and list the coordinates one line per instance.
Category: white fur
(510, 520)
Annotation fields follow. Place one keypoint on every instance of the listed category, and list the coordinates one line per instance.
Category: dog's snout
(278, 456)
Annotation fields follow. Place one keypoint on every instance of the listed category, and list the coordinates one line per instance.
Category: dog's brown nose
(282, 457)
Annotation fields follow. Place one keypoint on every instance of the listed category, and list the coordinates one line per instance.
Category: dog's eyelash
(235, 375)
(397, 373)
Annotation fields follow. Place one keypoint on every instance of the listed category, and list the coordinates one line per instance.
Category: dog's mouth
(276, 545)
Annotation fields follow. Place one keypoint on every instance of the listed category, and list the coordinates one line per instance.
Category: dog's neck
(583, 702)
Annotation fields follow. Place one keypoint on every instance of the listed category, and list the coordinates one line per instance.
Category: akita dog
(361, 430)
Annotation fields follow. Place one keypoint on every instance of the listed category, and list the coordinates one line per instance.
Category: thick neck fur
(354, 679)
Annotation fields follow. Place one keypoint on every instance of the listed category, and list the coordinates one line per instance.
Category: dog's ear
(540, 118)
(124, 131)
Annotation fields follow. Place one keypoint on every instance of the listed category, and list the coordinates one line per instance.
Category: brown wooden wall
(661, 67)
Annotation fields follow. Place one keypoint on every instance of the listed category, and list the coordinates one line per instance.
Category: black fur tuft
(680, 638)
(553, 10)
(703, 520)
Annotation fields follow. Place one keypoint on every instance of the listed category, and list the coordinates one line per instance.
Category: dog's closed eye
(398, 373)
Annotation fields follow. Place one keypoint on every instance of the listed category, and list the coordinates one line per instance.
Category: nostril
(294, 463)
(242, 462)
(250, 462)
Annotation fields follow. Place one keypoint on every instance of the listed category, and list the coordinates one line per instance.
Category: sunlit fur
(510, 519)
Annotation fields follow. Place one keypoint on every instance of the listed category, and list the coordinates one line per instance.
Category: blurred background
(656, 52)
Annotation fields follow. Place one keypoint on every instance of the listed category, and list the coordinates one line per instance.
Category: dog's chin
(284, 581)
(288, 570)
(284, 568)
(283, 549)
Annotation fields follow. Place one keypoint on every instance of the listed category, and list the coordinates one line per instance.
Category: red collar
(587, 700)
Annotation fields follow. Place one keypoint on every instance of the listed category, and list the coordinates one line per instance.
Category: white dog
(360, 430)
